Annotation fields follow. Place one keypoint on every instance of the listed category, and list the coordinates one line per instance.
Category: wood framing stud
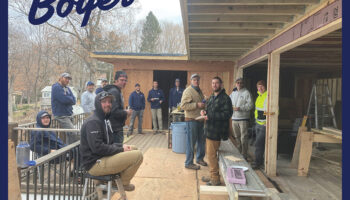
(273, 75)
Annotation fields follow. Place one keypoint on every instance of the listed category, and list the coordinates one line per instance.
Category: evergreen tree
(150, 34)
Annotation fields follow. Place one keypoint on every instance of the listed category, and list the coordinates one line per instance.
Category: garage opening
(166, 81)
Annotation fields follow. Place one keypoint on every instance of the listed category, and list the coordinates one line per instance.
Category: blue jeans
(195, 134)
(118, 136)
(138, 114)
(260, 143)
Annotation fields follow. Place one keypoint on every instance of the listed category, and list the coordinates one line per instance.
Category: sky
(168, 10)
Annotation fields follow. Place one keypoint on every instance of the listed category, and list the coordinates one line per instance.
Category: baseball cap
(104, 94)
(89, 83)
(177, 79)
(66, 75)
(45, 114)
(104, 80)
(239, 79)
(120, 74)
(195, 75)
(137, 85)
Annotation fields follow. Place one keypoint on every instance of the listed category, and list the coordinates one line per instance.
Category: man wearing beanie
(118, 113)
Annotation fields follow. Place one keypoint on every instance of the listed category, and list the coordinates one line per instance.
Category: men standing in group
(175, 95)
(104, 82)
(260, 126)
(62, 101)
(156, 97)
(192, 103)
(118, 113)
(241, 104)
(137, 105)
(88, 98)
(217, 114)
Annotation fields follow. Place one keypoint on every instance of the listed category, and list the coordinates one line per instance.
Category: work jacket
(175, 96)
(62, 100)
(260, 108)
(242, 99)
(118, 114)
(137, 101)
(97, 138)
(219, 111)
(158, 94)
(189, 100)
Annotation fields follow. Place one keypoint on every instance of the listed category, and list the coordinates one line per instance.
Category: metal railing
(40, 139)
(56, 176)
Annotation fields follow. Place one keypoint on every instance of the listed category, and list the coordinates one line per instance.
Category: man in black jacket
(118, 113)
(218, 112)
(99, 154)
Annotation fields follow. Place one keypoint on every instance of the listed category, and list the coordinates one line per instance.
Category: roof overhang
(228, 29)
(111, 57)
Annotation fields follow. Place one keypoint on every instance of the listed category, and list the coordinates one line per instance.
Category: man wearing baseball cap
(62, 101)
(118, 113)
(88, 98)
(175, 95)
(137, 105)
(192, 103)
(104, 82)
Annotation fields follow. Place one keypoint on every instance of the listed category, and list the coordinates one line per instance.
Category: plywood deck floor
(162, 175)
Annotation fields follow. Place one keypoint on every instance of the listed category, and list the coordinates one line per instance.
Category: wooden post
(273, 74)
(13, 175)
(13, 134)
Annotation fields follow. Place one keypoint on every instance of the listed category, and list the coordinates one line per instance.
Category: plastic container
(179, 132)
(22, 154)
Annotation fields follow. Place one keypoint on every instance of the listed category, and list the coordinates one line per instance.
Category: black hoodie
(118, 114)
(96, 137)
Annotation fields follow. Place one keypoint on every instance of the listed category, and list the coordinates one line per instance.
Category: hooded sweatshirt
(96, 137)
(242, 99)
(41, 142)
(118, 114)
(62, 100)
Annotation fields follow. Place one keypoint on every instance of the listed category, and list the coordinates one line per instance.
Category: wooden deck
(162, 176)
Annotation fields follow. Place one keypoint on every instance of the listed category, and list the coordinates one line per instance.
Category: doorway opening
(166, 81)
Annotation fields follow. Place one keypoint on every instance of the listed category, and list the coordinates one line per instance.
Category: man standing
(192, 103)
(242, 104)
(88, 98)
(175, 95)
(99, 154)
(118, 113)
(156, 97)
(137, 105)
(218, 113)
(104, 82)
(260, 126)
(62, 101)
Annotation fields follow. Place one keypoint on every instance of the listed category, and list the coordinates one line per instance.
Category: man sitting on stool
(100, 155)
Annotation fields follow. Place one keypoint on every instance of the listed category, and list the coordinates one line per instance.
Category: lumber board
(273, 77)
(254, 186)
(13, 185)
(215, 190)
(305, 153)
(333, 130)
(294, 162)
(326, 139)
(327, 133)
